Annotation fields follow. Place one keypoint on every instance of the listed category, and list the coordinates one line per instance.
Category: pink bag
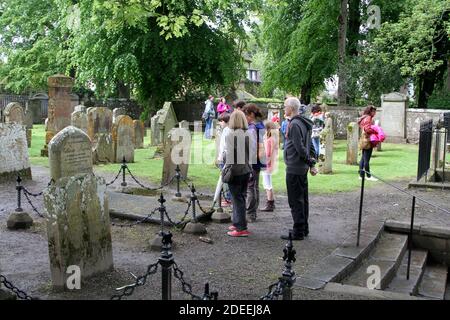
(377, 137)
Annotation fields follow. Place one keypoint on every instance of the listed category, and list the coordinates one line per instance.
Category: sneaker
(372, 179)
(232, 228)
(236, 233)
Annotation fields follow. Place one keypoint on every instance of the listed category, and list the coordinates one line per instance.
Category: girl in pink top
(271, 150)
(223, 106)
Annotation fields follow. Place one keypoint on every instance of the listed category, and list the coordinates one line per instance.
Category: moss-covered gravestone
(78, 225)
(326, 153)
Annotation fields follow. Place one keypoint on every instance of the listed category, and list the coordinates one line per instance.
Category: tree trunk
(306, 94)
(354, 24)
(342, 72)
(123, 91)
(448, 75)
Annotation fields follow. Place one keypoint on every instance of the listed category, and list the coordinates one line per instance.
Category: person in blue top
(208, 115)
(256, 131)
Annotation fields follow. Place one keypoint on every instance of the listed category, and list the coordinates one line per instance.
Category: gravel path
(239, 268)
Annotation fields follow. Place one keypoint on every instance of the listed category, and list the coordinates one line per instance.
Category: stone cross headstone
(70, 153)
(177, 150)
(78, 225)
(393, 116)
(14, 113)
(79, 119)
(138, 134)
(14, 157)
(352, 143)
(59, 107)
(123, 139)
(118, 112)
(326, 152)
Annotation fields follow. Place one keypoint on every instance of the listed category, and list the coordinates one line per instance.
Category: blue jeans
(316, 144)
(208, 128)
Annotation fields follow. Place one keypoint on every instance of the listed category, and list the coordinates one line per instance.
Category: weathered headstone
(99, 121)
(13, 152)
(80, 108)
(393, 116)
(138, 134)
(103, 148)
(123, 139)
(352, 143)
(78, 225)
(154, 128)
(326, 152)
(118, 112)
(167, 120)
(59, 107)
(14, 113)
(79, 120)
(184, 125)
(177, 151)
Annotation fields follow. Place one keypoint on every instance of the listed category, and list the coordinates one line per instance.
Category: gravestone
(393, 116)
(184, 125)
(123, 139)
(326, 152)
(154, 128)
(167, 120)
(80, 108)
(215, 127)
(78, 225)
(138, 134)
(118, 112)
(352, 143)
(177, 151)
(14, 113)
(28, 121)
(103, 148)
(14, 158)
(59, 107)
(79, 120)
(99, 122)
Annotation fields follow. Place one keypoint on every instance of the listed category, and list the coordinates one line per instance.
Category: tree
(342, 40)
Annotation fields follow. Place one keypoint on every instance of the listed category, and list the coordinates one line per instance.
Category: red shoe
(235, 233)
(232, 228)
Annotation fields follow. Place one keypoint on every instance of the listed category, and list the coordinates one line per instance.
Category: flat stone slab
(368, 293)
(312, 284)
(390, 247)
(434, 282)
(330, 268)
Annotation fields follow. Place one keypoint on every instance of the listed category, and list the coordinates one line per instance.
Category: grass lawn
(395, 162)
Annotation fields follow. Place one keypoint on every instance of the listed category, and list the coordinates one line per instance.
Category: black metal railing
(414, 198)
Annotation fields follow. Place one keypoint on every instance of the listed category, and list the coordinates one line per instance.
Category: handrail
(408, 193)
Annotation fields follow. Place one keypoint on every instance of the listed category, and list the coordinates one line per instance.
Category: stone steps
(400, 284)
(434, 282)
(387, 256)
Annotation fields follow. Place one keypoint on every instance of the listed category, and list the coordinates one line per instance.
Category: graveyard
(115, 173)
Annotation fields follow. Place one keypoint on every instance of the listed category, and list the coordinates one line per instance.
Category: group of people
(248, 149)
(209, 114)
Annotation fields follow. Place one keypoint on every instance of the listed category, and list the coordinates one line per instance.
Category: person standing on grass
(271, 149)
(208, 115)
(256, 133)
(224, 118)
(299, 157)
(237, 156)
(365, 123)
(318, 119)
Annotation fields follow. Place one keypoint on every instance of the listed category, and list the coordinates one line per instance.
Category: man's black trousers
(297, 188)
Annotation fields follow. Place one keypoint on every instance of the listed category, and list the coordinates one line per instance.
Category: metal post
(19, 194)
(124, 166)
(193, 200)
(288, 274)
(162, 211)
(361, 207)
(166, 261)
(178, 175)
(444, 154)
(410, 238)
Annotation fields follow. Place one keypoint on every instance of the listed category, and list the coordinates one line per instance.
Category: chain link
(179, 223)
(32, 205)
(19, 293)
(140, 281)
(186, 287)
(148, 188)
(145, 219)
(275, 290)
(115, 179)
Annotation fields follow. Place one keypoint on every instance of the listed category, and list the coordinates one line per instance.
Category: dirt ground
(238, 268)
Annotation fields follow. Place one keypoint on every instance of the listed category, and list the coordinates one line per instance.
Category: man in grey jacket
(300, 157)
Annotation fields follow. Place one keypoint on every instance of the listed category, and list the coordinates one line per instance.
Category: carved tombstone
(78, 225)
(79, 120)
(123, 139)
(393, 116)
(14, 158)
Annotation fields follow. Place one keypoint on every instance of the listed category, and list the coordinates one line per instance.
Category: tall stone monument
(325, 163)
(59, 107)
(123, 139)
(352, 143)
(78, 225)
(393, 116)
